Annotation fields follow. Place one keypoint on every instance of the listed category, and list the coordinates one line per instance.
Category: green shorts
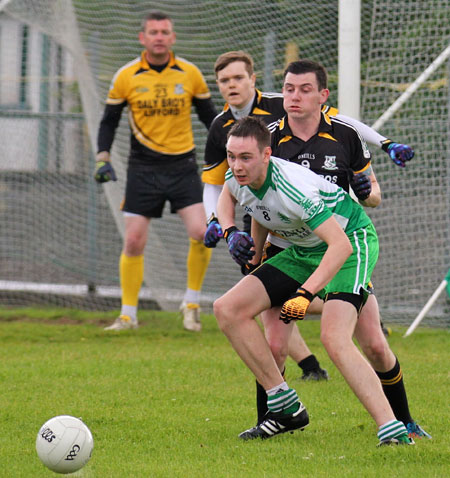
(353, 277)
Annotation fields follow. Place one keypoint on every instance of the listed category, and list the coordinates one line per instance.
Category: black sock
(261, 402)
(394, 389)
(309, 363)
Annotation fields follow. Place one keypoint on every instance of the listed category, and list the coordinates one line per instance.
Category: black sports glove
(361, 185)
(295, 308)
(399, 153)
(239, 245)
(104, 171)
(213, 232)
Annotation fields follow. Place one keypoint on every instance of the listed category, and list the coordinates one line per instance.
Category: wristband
(229, 231)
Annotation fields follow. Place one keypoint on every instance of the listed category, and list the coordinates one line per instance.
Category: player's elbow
(376, 200)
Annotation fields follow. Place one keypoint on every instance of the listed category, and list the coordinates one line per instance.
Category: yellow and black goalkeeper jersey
(159, 106)
(334, 152)
(267, 106)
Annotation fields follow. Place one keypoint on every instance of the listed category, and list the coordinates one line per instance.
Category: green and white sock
(285, 401)
(392, 429)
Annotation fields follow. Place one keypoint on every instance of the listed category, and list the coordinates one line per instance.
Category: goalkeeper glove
(239, 245)
(104, 171)
(213, 232)
(295, 307)
(399, 153)
(361, 185)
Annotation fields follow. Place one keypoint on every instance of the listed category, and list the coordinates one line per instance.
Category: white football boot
(123, 322)
(191, 316)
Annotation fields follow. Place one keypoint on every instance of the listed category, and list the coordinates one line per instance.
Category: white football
(64, 444)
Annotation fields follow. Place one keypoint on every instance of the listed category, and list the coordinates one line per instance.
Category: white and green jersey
(293, 201)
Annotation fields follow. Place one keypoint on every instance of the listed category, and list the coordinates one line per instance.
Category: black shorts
(270, 250)
(149, 187)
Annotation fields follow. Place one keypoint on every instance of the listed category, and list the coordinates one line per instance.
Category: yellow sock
(197, 264)
(131, 276)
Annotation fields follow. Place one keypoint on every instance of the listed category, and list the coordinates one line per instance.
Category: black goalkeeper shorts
(149, 187)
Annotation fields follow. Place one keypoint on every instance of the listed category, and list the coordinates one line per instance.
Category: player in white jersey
(334, 251)
(293, 210)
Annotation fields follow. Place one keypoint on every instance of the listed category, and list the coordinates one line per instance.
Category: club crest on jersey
(283, 218)
(330, 163)
(179, 90)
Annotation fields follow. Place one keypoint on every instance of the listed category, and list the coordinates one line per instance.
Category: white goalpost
(349, 57)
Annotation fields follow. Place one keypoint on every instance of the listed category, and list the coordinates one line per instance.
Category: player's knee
(325, 339)
(198, 234)
(279, 350)
(223, 311)
(375, 350)
(335, 344)
(134, 244)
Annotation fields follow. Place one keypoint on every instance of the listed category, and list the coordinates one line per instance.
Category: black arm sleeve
(215, 149)
(205, 109)
(108, 126)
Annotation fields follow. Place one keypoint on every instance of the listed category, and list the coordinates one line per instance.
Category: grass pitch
(162, 402)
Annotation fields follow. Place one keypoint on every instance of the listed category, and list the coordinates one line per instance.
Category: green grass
(165, 403)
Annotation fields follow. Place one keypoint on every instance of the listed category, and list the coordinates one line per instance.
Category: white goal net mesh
(61, 234)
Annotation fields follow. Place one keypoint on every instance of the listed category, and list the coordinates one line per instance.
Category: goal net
(62, 233)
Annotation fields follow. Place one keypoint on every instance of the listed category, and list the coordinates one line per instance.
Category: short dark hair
(230, 57)
(253, 127)
(155, 15)
(308, 66)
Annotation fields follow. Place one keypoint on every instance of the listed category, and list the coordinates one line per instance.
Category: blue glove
(213, 232)
(104, 172)
(361, 185)
(399, 153)
(239, 245)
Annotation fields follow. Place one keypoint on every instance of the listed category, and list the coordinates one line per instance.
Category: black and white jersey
(267, 106)
(334, 152)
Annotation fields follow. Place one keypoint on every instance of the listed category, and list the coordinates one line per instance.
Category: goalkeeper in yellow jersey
(159, 89)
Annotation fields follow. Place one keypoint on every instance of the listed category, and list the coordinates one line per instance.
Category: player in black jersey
(335, 150)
